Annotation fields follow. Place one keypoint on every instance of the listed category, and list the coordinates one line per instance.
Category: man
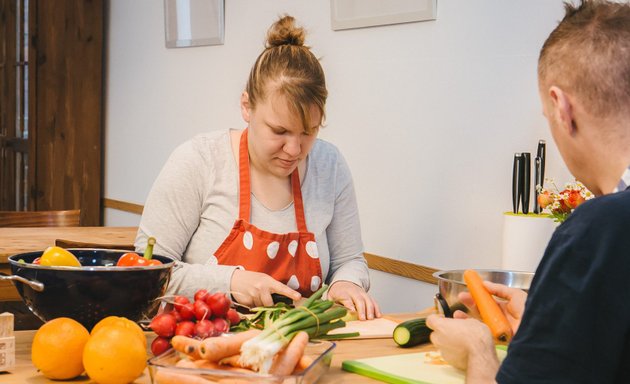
(576, 323)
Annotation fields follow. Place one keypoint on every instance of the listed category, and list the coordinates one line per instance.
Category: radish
(164, 324)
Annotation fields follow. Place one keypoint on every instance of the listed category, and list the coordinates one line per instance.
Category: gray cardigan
(193, 204)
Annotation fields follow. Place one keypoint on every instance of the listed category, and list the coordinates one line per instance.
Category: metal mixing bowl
(451, 283)
(96, 290)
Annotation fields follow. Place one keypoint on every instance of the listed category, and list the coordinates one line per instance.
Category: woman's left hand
(354, 298)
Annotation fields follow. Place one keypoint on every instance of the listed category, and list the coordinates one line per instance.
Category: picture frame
(349, 14)
(190, 23)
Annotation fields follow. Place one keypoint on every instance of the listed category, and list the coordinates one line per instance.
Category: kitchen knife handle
(542, 153)
(516, 167)
(525, 180)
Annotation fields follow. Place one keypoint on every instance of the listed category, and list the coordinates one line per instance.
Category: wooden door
(64, 55)
(13, 121)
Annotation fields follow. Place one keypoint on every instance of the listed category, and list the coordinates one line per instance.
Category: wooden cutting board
(381, 328)
(412, 368)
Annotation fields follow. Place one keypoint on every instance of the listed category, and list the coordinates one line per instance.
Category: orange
(120, 322)
(114, 355)
(57, 348)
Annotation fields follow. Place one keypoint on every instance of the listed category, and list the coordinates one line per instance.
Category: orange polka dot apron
(290, 258)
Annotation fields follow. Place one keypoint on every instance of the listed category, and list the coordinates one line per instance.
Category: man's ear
(245, 107)
(563, 108)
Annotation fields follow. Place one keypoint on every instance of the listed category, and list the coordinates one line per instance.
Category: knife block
(525, 237)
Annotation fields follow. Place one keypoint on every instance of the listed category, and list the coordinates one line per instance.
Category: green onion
(315, 316)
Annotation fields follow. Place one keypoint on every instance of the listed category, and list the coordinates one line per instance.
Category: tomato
(153, 262)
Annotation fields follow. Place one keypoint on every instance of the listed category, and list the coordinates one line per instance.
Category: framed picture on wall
(190, 23)
(348, 14)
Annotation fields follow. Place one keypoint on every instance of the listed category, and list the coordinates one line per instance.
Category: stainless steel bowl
(451, 283)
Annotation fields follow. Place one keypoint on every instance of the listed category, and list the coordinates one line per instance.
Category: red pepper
(132, 259)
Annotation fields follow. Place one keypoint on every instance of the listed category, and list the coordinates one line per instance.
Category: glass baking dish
(163, 370)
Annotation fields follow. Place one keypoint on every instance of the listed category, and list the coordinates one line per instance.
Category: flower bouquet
(559, 204)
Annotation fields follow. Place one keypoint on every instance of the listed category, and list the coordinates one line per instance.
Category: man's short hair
(588, 55)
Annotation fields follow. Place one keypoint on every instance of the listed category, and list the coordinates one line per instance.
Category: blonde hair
(588, 54)
(287, 67)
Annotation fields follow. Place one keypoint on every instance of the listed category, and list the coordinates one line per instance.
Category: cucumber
(412, 332)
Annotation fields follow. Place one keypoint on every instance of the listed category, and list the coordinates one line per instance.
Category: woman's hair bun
(285, 32)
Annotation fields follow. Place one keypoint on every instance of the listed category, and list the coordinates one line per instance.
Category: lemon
(57, 349)
(57, 256)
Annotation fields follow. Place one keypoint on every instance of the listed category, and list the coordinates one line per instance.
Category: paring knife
(537, 182)
(516, 177)
(525, 184)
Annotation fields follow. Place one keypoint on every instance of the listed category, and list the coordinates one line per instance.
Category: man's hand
(254, 289)
(466, 344)
(513, 306)
(354, 298)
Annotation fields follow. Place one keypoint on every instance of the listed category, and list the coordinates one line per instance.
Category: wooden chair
(68, 218)
(23, 317)
(80, 244)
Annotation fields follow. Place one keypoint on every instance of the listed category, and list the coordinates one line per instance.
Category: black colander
(96, 290)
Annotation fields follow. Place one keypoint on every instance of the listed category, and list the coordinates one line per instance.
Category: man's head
(584, 80)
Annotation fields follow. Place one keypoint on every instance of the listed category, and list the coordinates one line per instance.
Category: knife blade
(525, 181)
(537, 182)
(516, 176)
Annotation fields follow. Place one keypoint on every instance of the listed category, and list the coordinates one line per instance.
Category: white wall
(428, 115)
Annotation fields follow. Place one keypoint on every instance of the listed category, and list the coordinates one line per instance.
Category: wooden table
(24, 371)
(20, 240)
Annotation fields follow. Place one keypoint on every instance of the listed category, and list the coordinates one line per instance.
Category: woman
(268, 209)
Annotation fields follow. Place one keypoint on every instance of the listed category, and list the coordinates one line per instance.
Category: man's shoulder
(613, 207)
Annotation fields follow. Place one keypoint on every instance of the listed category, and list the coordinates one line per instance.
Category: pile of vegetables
(316, 317)
(275, 341)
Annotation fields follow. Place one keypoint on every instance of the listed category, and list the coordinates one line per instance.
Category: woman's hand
(354, 298)
(513, 307)
(254, 289)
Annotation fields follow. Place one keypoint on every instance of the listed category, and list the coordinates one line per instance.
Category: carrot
(234, 361)
(216, 348)
(187, 345)
(489, 310)
(287, 360)
(305, 362)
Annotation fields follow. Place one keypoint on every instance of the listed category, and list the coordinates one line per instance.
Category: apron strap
(243, 173)
(244, 204)
(297, 201)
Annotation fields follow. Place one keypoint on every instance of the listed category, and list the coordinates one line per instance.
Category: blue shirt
(576, 325)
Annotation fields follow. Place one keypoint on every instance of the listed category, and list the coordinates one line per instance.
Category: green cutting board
(412, 368)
